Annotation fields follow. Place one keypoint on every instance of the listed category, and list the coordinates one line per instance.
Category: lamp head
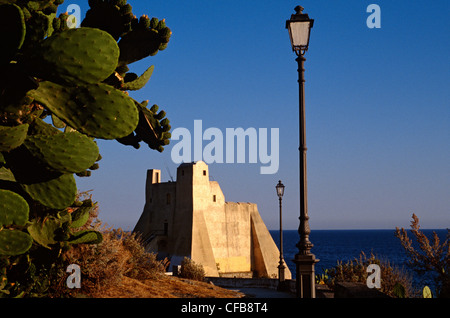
(299, 27)
(280, 189)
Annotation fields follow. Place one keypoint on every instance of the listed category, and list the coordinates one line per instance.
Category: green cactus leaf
(12, 137)
(12, 31)
(51, 189)
(13, 209)
(80, 217)
(138, 44)
(140, 82)
(70, 152)
(399, 291)
(151, 130)
(86, 237)
(14, 242)
(6, 175)
(105, 16)
(427, 292)
(97, 110)
(40, 127)
(43, 231)
(74, 56)
(58, 123)
(57, 193)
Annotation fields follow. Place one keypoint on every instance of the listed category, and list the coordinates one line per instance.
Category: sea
(331, 246)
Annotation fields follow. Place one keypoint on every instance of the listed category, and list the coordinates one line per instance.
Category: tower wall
(193, 220)
(202, 248)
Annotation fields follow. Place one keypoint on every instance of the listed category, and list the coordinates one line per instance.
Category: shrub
(103, 266)
(428, 258)
(191, 270)
(356, 271)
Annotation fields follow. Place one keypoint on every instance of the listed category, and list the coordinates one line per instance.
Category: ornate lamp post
(281, 266)
(299, 27)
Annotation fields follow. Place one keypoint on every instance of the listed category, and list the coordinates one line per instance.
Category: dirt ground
(167, 287)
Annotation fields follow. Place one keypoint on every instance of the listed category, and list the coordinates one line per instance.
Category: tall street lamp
(281, 266)
(299, 27)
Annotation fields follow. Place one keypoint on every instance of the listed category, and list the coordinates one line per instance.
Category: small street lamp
(299, 27)
(281, 266)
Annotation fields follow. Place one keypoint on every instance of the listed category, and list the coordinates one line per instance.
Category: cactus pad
(14, 242)
(43, 231)
(70, 152)
(12, 137)
(139, 82)
(426, 292)
(56, 193)
(39, 127)
(86, 237)
(13, 209)
(97, 110)
(6, 174)
(80, 217)
(58, 123)
(141, 43)
(84, 55)
(105, 16)
(12, 31)
(151, 130)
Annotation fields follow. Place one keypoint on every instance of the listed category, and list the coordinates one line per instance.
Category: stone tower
(190, 218)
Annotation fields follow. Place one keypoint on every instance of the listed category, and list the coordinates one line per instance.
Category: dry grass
(119, 267)
(165, 287)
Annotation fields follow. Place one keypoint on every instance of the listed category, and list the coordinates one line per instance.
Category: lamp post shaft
(281, 267)
(281, 234)
(304, 260)
(304, 245)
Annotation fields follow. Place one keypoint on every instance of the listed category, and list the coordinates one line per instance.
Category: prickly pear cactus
(12, 137)
(84, 55)
(14, 242)
(60, 89)
(13, 209)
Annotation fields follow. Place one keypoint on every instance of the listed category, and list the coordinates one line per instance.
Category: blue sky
(377, 109)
